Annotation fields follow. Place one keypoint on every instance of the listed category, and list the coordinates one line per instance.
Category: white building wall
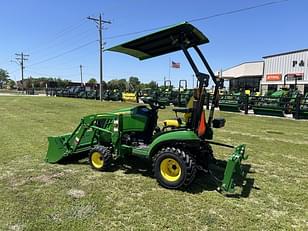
(283, 64)
(244, 69)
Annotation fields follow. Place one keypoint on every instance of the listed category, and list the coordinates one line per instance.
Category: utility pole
(100, 22)
(81, 75)
(193, 81)
(20, 60)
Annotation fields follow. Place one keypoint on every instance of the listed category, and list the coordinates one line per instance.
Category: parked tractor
(183, 94)
(176, 154)
(167, 94)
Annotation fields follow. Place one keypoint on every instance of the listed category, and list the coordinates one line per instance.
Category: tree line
(132, 84)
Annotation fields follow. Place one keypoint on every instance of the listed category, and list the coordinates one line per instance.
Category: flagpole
(193, 81)
(169, 67)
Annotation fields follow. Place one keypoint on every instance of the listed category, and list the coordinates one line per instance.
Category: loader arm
(83, 138)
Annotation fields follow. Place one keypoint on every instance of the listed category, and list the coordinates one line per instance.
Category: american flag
(175, 65)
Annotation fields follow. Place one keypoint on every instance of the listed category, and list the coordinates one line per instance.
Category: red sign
(273, 77)
(293, 76)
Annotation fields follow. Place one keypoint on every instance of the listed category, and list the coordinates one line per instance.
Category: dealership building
(287, 69)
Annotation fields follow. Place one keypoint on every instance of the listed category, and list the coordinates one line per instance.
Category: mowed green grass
(35, 195)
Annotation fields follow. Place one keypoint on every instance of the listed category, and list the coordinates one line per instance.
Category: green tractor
(183, 94)
(176, 154)
(166, 93)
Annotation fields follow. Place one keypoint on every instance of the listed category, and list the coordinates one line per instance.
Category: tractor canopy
(163, 42)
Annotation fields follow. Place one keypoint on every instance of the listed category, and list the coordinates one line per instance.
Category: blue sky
(46, 29)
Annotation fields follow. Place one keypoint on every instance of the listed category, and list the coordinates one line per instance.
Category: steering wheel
(155, 104)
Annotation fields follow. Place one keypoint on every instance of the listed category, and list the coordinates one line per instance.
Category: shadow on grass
(203, 182)
(212, 180)
(209, 181)
(131, 165)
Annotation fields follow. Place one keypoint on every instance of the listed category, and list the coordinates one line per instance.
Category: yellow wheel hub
(97, 160)
(170, 169)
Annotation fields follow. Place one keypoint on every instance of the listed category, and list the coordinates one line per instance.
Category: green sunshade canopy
(162, 42)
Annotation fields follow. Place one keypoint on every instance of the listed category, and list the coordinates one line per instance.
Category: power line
(74, 38)
(59, 35)
(203, 18)
(13, 72)
(238, 10)
(73, 27)
(70, 28)
(64, 53)
(53, 75)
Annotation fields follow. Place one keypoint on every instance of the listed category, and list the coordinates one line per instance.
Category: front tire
(100, 158)
(174, 168)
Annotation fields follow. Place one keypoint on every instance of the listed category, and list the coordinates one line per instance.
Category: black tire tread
(188, 159)
(107, 156)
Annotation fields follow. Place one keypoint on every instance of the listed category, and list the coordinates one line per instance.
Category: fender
(173, 136)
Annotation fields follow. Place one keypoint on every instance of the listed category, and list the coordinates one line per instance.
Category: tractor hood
(128, 110)
(163, 42)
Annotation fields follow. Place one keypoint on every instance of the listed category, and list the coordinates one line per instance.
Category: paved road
(16, 94)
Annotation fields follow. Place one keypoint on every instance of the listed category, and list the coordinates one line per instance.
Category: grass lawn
(35, 195)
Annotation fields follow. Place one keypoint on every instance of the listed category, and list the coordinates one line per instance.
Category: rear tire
(174, 168)
(100, 158)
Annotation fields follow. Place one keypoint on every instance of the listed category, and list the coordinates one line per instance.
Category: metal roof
(247, 69)
(285, 53)
(162, 42)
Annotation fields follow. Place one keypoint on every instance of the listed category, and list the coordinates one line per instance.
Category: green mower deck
(269, 111)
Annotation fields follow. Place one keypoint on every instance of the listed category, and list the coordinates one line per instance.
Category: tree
(134, 82)
(92, 81)
(4, 75)
(27, 83)
(117, 84)
(104, 85)
(11, 83)
(122, 83)
(152, 85)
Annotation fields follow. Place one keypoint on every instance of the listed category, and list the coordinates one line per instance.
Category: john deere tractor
(176, 154)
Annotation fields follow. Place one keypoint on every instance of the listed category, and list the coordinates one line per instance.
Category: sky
(58, 37)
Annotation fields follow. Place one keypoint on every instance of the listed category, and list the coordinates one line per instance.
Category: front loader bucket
(233, 169)
(57, 150)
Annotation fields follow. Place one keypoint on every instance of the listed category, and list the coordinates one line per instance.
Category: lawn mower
(176, 154)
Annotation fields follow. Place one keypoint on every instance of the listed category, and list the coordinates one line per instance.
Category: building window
(245, 83)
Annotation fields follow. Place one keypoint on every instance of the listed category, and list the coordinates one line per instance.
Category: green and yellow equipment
(129, 96)
(183, 94)
(278, 103)
(176, 154)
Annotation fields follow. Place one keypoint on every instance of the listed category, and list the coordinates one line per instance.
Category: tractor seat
(172, 123)
(177, 122)
(182, 110)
